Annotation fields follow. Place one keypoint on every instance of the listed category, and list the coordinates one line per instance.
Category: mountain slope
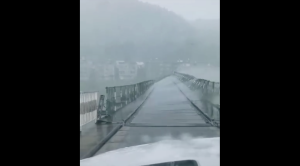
(208, 39)
(131, 29)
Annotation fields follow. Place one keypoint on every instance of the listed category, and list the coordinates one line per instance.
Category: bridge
(171, 107)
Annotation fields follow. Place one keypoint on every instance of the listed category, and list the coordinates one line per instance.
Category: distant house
(105, 71)
(127, 70)
(140, 64)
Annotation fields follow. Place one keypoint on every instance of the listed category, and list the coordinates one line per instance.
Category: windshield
(149, 73)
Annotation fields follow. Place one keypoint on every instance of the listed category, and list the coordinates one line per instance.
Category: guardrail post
(212, 112)
(109, 100)
(131, 92)
(126, 95)
(135, 91)
(121, 96)
(115, 99)
(100, 107)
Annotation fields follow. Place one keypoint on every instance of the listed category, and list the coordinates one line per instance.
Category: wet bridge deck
(165, 114)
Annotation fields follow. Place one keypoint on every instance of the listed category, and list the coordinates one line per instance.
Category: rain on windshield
(149, 75)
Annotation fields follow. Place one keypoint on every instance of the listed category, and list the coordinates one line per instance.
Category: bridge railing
(207, 87)
(207, 91)
(88, 107)
(120, 96)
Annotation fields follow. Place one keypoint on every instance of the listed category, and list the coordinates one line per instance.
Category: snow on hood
(206, 151)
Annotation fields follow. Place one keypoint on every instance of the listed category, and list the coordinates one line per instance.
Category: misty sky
(191, 9)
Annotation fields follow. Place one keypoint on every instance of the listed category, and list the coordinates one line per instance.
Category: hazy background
(191, 9)
(164, 31)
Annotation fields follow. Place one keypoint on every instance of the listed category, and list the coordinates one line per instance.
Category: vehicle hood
(206, 151)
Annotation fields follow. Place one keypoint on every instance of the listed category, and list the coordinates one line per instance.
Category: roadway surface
(165, 114)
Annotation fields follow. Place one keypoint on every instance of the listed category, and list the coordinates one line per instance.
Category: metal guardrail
(88, 107)
(205, 88)
(94, 108)
(119, 96)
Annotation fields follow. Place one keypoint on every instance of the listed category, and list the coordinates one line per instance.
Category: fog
(207, 72)
(125, 42)
(191, 9)
(151, 38)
